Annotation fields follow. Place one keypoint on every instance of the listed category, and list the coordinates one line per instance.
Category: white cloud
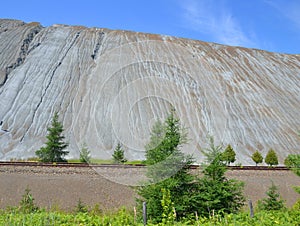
(214, 19)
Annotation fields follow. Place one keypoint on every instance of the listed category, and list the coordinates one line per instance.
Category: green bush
(271, 158)
(257, 157)
(81, 207)
(27, 204)
(273, 201)
(85, 154)
(228, 155)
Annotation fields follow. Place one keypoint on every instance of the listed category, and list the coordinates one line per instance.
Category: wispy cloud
(215, 20)
(288, 9)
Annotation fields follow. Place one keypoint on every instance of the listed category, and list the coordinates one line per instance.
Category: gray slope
(109, 86)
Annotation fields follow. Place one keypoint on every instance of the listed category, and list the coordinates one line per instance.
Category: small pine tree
(257, 157)
(27, 202)
(271, 158)
(215, 192)
(118, 155)
(273, 201)
(81, 207)
(228, 155)
(85, 154)
(167, 168)
(54, 149)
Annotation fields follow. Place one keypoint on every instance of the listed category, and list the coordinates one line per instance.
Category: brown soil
(63, 187)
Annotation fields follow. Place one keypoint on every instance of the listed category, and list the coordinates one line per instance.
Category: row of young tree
(271, 158)
(54, 149)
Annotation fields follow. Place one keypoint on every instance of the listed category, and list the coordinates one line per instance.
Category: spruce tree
(167, 168)
(273, 201)
(85, 154)
(257, 157)
(54, 151)
(118, 155)
(214, 191)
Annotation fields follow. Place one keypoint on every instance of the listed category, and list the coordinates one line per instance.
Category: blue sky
(272, 25)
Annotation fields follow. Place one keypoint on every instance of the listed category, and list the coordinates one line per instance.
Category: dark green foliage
(81, 207)
(257, 157)
(273, 201)
(165, 140)
(27, 202)
(55, 145)
(167, 168)
(271, 158)
(228, 155)
(118, 155)
(215, 192)
(85, 154)
(293, 162)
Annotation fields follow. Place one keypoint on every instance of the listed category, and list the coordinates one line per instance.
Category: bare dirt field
(54, 187)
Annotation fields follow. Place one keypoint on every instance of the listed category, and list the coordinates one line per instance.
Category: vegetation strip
(25, 163)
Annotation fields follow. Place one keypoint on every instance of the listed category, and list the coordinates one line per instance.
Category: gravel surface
(62, 187)
(111, 188)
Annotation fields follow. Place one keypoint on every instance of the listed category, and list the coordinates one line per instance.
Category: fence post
(251, 208)
(145, 213)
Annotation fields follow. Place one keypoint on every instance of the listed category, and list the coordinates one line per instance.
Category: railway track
(82, 165)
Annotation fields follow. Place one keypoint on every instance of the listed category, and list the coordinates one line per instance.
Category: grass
(126, 217)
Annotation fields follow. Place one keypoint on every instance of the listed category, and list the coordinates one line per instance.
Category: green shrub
(271, 158)
(273, 201)
(81, 207)
(85, 154)
(27, 202)
(118, 155)
(228, 155)
(296, 205)
(257, 157)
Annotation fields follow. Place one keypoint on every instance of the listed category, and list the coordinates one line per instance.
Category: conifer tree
(273, 201)
(118, 155)
(214, 191)
(54, 151)
(167, 168)
(85, 154)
